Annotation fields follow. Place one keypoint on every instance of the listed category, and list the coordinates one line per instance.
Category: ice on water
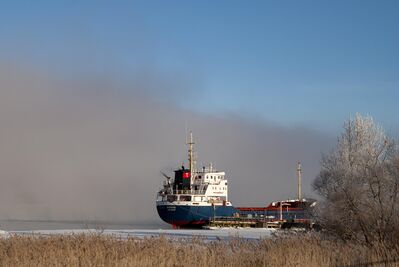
(212, 234)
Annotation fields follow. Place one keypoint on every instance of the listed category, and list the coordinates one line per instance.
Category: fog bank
(93, 150)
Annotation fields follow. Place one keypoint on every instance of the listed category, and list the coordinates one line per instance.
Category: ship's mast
(299, 173)
(191, 156)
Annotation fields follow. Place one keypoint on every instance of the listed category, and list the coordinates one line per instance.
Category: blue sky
(310, 63)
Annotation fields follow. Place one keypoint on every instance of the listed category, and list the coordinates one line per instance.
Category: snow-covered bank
(4, 234)
(216, 234)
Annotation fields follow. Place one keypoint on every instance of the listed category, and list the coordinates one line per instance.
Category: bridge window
(185, 198)
(172, 198)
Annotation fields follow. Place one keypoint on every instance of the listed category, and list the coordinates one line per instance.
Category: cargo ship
(194, 198)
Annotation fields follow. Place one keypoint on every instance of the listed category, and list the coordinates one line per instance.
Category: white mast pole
(191, 157)
(299, 172)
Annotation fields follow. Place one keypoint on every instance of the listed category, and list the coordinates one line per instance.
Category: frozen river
(215, 234)
(124, 230)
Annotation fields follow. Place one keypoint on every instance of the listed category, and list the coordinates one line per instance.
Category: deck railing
(189, 192)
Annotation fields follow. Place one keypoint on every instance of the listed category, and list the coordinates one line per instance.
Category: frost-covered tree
(359, 183)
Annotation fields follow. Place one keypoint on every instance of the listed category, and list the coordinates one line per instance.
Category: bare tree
(359, 182)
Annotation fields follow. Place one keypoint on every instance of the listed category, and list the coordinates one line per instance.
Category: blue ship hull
(192, 216)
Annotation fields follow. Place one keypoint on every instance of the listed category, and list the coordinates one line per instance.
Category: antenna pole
(299, 173)
(191, 156)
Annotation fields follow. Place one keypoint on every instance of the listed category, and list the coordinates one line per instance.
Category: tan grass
(102, 250)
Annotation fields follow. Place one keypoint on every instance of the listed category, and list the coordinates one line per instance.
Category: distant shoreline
(29, 224)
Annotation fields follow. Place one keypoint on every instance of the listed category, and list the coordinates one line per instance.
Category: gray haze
(93, 150)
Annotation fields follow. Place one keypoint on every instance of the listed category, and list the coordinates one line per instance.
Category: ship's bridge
(205, 177)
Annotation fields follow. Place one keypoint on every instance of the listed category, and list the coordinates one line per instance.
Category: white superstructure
(206, 187)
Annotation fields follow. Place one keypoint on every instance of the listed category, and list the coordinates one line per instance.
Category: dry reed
(103, 250)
